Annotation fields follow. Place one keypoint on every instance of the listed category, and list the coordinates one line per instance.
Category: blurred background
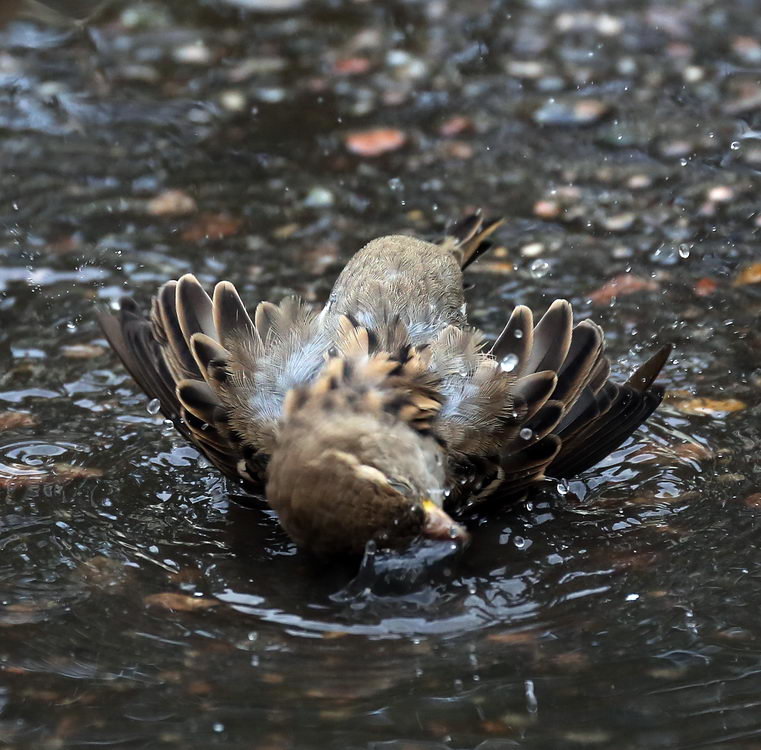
(143, 605)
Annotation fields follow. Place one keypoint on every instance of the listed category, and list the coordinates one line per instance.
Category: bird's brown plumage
(362, 420)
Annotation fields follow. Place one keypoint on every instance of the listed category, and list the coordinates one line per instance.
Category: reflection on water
(142, 604)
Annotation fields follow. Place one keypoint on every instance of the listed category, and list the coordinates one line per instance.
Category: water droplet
(532, 704)
(508, 363)
(218, 727)
(518, 333)
(562, 488)
(684, 250)
(684, 161)
(526, 433)
(632, 597)
(539, 268)
(154, 406)
(453, 532)
(395, 183)
(519, 542)
(735, 145)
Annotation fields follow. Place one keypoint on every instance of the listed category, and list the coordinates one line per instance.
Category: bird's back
(400, 279)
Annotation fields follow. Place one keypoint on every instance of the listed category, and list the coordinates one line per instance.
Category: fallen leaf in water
(81, 351)
(69, 472)
(494, 266)
(514, 638)
(199, 687)
(455, 125)
(212, 227)
(754, 500)
(749, 275)
(705, 287)
(102, 572)
(350, 66)
(285, 231)
(694, 451)
(618, 286)
(179, 602)
(375, 142)
(494, 726)
(21, 475)
(10, 420)
(709, 407)
(25, 613)
(455, 150)
(172, 203)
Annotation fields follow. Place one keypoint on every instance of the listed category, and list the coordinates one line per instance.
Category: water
(143, 605)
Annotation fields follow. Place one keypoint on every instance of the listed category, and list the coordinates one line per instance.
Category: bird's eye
(401, 487)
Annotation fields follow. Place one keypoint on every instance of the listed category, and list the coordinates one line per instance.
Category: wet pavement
(143, 606)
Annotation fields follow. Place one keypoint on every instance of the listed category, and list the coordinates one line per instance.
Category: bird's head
(338, 479)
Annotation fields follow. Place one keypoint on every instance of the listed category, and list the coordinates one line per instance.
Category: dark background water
(142, 607)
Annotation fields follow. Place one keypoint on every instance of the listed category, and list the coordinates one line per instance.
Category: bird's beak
(439, 525)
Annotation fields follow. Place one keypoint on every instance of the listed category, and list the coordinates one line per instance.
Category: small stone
(619, 222)
(525, 68)
(639, 181)
(533, 250)
(693, 74)
(721, 194)
(546, 209)
(196, 53)
(573, 113)
(319, 197)
(233, 100)
(267, 6)
(172, 203)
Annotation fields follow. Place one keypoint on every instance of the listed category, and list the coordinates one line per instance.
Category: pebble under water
(144, 604)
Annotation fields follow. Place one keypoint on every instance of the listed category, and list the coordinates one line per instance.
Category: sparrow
(385, 415)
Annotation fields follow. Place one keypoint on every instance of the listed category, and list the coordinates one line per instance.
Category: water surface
(143, 605)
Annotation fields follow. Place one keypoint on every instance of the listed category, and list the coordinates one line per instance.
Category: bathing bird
(384, 416)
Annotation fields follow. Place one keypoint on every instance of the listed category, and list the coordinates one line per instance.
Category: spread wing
(539, 403)
(220, 377)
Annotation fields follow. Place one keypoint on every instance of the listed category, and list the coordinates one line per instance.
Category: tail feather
(468, 239)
